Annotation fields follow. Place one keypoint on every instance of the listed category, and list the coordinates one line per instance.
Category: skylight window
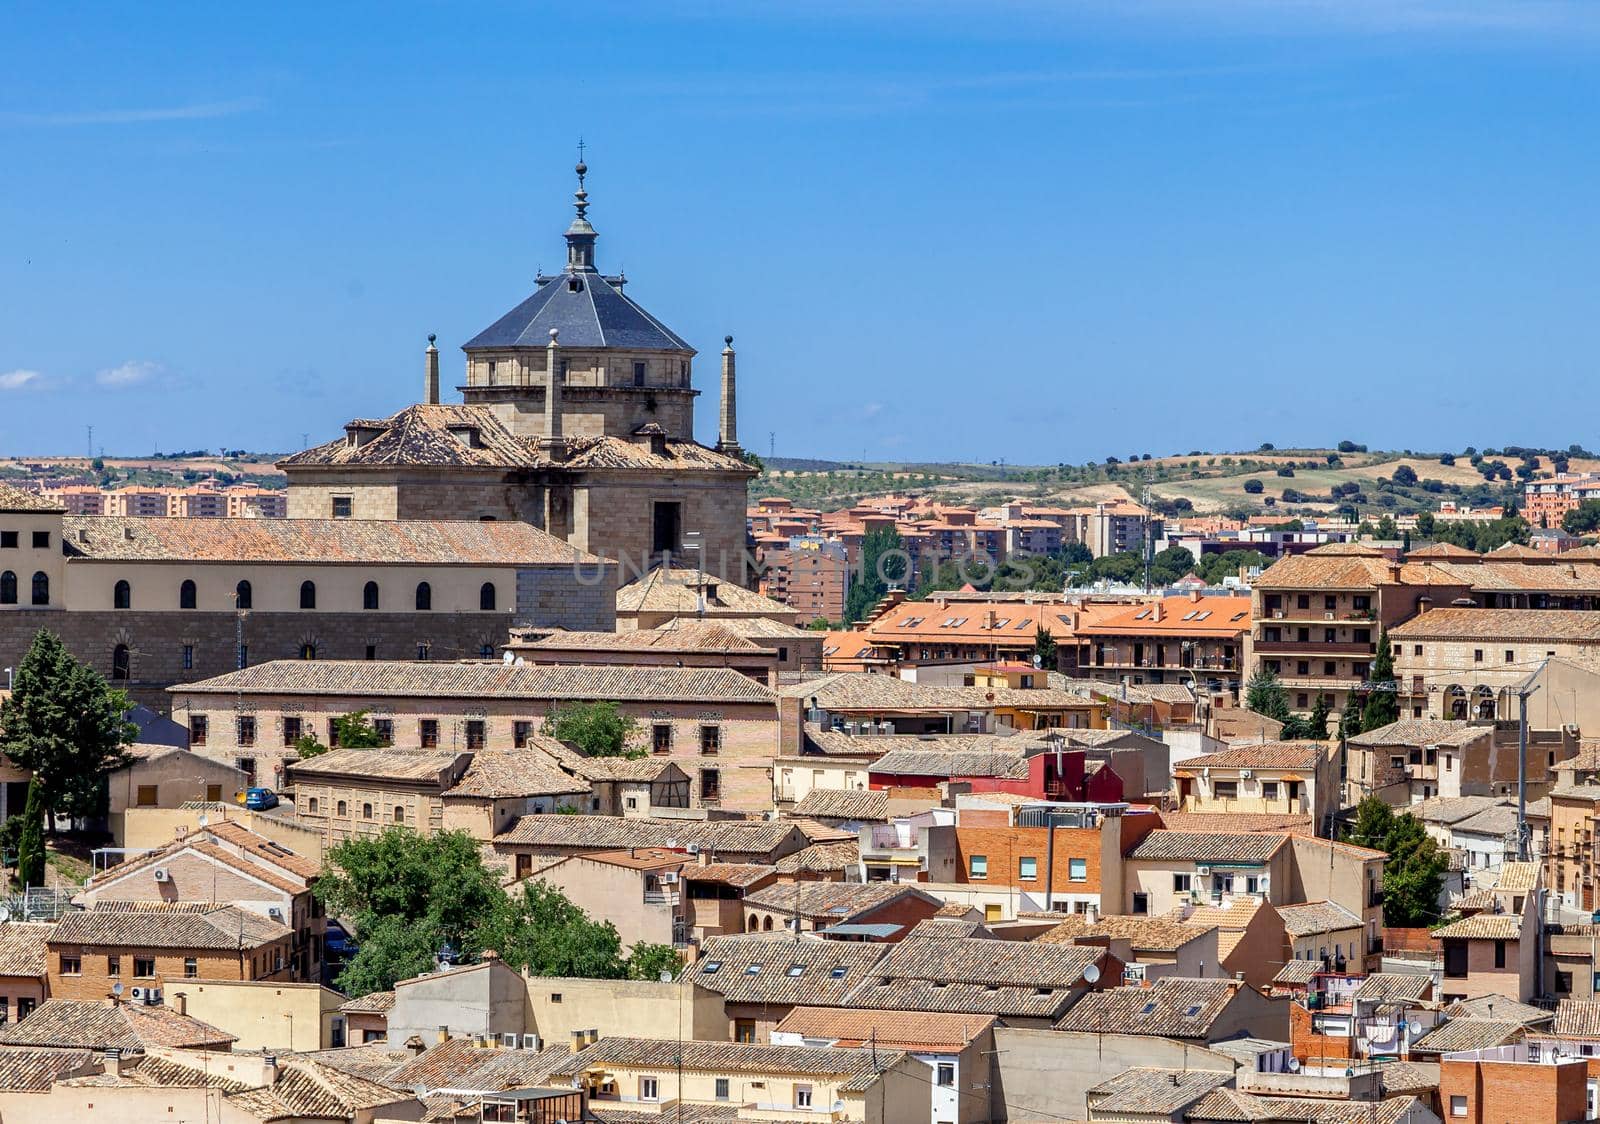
(711, 967)
(1149, 1008)
(1202, 614)
(1023, 623)
(1002, 622)
(1190, 615)
(796, 970)
(753, 970)
(1191, 1011)
(838, 972)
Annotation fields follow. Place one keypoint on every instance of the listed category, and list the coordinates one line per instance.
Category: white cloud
(195, 112)
(131, 373)
(20, 379)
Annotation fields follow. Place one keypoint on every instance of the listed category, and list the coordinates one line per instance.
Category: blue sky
(1040, 231)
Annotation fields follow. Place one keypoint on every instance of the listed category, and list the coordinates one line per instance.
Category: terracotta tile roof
(1517, 877)
(1261, 755)
(1578, 1018)
(373, 1003)
(1498, 1007)
(1333, 571)
(611, 832)
(1452, 809)
(22, 948)
(1309, 918)
(501, 774)
(1143, 934)
(1468, 1034)
(821, 858)
(845, 804)
(310, 1089)
(147, 925)
(1392, 987)
(828, 970)
(939, 763)
(1208, 846)
(31, 1070)
(1209, 616)
(832, 902)
(376, 1061)
(15, 500)
(977, 976)
(264, 849)
(1172, 1007)
(1297, 972)
(1484, 926)
(437, 767)
(680, 636)
(945, 928)
(684, 593)
(105, 881)
(1422, 732)
(1237, 823)
(893, 1030)
(1532, 625)
(483, 679)
(859, 690)
(329, 542)
(460, 1064)
(95, 1025)
(730, 874)
(859, 1068)
(1409, 1077)
(1141, 1092)
(1443, 552)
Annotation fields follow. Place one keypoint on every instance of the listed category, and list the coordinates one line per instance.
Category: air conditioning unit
(1246, 774)
(531, 1042)
(1133, 973)
(509, 1040)
(275, 913)
(1328, 616)
(1203, 871)
(1277, 614)
(149, 996)
(693, 848)
(162, 874)
(669, 877)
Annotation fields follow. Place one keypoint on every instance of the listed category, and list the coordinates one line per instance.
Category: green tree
(30, 843)
(408, 896)
(599, 729)
(1382, 706)
(1386, 529)
(64, 725)
(1044, 647)
(542, 930)
(307, 746)
(1582, 519)
(648, 961)
(1425, 524)
(882, 561)
(1412, 875)
(1350, 716)
(1214, 567)
(1265, 695)
(1317, 724)
(356, 731)
(1405, 476)
(1254, 487)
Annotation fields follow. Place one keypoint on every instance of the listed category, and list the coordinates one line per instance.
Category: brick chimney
(1157, 609)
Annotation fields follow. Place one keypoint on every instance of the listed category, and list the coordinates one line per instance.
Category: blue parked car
(260, 799)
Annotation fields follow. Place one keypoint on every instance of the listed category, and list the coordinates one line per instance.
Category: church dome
(589, 310)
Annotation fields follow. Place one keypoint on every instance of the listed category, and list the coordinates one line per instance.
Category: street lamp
(8, 679)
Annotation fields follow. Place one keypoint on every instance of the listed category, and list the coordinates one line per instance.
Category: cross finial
(580, 150)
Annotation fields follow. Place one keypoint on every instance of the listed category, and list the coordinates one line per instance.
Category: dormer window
(574, 284)
(467, 435)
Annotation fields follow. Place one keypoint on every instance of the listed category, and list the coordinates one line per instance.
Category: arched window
(366, 811)
(486, 597)
(369, 596)
(41, 588)
(8, 588)
(308, 595)
(241, 596)
(424, 597)
(342, 808)
(186, 595)
(767, 924)
(754, 924)
(399, 814)
(311, 804)
(121, 663)
(121, 595)
(308, 651)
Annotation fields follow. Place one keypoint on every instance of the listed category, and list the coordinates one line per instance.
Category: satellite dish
(116, 989)
(509, 658)
(5, 914)
(204, 819)
(520, 662)
(1092, 973)
(1415, 1028)
(1294, 1065)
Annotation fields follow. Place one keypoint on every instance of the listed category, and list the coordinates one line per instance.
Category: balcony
(1313, 648)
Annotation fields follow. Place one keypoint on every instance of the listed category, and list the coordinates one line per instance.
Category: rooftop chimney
(1194, 596)
(728, 433)
(443, 1035)
(269, 1070)
(180, 1002)
(552, 394)
(115, 1065)
(430, 380)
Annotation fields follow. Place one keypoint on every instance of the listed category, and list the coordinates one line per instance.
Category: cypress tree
(30, 849)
